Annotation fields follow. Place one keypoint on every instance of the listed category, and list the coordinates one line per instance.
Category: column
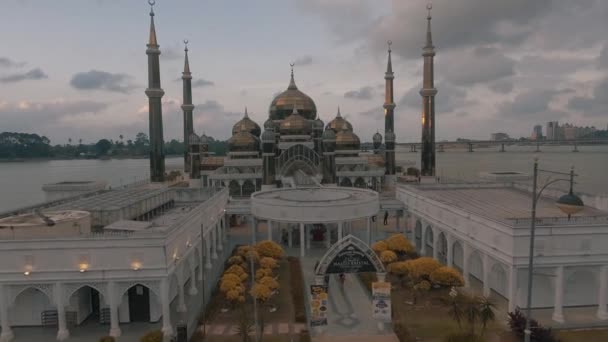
(512, 289)
(7, 334)
(423, 240)
(167, 329)
(302, 242)
(192, 291)
(114, 299)
(397, 220)
(62, 333)
(369, 231)
(340, 233)
(225, 227)
(450, 250)
(201, 263)
(602, 300)
(289, 235)
(486, 275)
(327, 236)
(558, 302)
(466, 255)
(269, 227)
(208, 251)
(435, 244)
(218, 237)
(308, 232)
(214, 242)
(254, 230)
(181, 300)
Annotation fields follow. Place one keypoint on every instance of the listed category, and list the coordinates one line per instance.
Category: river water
(21, 182)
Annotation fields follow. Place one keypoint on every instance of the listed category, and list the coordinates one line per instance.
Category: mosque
(149, 252)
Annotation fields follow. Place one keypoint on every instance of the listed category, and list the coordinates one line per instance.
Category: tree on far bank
(103, 146)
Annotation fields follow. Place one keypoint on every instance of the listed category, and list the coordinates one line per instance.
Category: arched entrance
(428, 241)
(32, 307)
(87, 303)
(349, 255)
(442, 248)
(418, 236)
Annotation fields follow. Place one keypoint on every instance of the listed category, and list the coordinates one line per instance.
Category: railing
(560, 221)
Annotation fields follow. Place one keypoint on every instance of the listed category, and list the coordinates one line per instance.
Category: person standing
(386, 217)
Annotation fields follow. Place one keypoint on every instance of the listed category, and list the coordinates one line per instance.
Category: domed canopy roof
(246, 125)
(205, 139)
(347, 140)
(296, 124)
(194, 139)
(339, 123)
(329, 135)
(268, 136)
(283, 103)
(318, 124)
(377, 137)
(243, 142)
(269, 124)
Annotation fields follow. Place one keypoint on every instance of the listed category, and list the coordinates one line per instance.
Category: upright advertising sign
(381, 301)
(318, 305)
(351, 260)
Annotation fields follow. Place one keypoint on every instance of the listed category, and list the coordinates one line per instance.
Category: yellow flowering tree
(420, 269)
(388, 257)
(447, 276)
(261, 292)
(238, 271)
(270, 249)
(270, 282)
(268, 262)
(399, 269)
(398, 243)
(263, 272)
(379, 247)
(236, 260)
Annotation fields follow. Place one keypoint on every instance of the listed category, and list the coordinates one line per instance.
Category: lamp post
(568, 203)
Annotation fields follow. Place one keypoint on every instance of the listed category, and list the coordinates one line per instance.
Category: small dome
(205, 139)
(318, 124)
(194, 139)
(282, 105)
(269, 124)
(347, 140)
(377, 137)
(246, 125)
(338, 123)
(296, 124)
(329, 135)
(268, 136)
(243, 142)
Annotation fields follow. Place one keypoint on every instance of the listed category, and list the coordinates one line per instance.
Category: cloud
(603, 57)
(199, 83)
(6, 62)
(594, 105)
(303, 60)
(34, 74)
(102, 80)
(503, 86)
(533, 65)
(172, 53)
(449, 98)
(363, 93)
(532, 104)
(478, 65)
(31, 115)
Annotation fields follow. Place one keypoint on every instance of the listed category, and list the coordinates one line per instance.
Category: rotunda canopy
(347, 140)
(338, 123)
(296, 124)
(246, 125)
(282, 105)
(243, 142)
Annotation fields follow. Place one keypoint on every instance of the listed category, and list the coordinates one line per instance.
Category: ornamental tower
(389, 112)
(187, 105)
(155, 94)
(428, 92)
(268, 154)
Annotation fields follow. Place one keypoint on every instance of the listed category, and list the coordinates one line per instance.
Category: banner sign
(318, 305)
(381, 301)
(351, 260)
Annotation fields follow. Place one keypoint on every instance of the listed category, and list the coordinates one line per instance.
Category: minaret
(187, 105)
(155, 94)
(389, 113)
(428, 91)
(329, 157)
(268, 156)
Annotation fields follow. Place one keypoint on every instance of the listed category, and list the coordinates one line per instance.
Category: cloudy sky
(77, 68)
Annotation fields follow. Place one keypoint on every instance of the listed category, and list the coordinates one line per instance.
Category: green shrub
(152, 336)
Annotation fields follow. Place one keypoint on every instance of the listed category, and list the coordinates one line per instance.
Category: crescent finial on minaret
(152, 3)
(186, 45)
(292, 82)
(429, 7)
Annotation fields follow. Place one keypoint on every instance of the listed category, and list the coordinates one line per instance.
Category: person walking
(386, 217)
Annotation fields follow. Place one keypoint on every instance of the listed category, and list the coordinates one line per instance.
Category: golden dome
(246, 125)
(339, 123)
(243, 142)
(296, 124)
(282, 105)
(347, 140)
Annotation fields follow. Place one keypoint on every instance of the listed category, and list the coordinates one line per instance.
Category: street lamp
(568, 203)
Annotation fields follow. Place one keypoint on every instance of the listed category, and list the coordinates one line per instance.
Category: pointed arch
(358, 249)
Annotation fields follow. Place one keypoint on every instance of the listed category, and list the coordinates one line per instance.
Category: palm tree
(471, 312)
(486, 313)
(455, 308)
(69, 141)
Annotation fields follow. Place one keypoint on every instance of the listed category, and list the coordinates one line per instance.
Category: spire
(339, 115)
(153, 42)
(246, 115)
(186, 62)
(429, 37)
(389, 64)
(292, 82)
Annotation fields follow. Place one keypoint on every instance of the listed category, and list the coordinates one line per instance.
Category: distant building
(537, 132)
(571, 132)
(499, 136)
(553, 131)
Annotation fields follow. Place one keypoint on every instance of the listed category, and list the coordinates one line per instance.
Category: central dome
(283, 104)
(296, 124)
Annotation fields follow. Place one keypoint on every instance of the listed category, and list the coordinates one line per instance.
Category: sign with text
(381, 301)
(318, 305)
(351, 259)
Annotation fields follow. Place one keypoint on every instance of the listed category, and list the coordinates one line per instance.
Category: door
(139, 304)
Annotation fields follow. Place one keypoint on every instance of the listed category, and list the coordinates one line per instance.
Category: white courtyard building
(484, 230)
(116, 257)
